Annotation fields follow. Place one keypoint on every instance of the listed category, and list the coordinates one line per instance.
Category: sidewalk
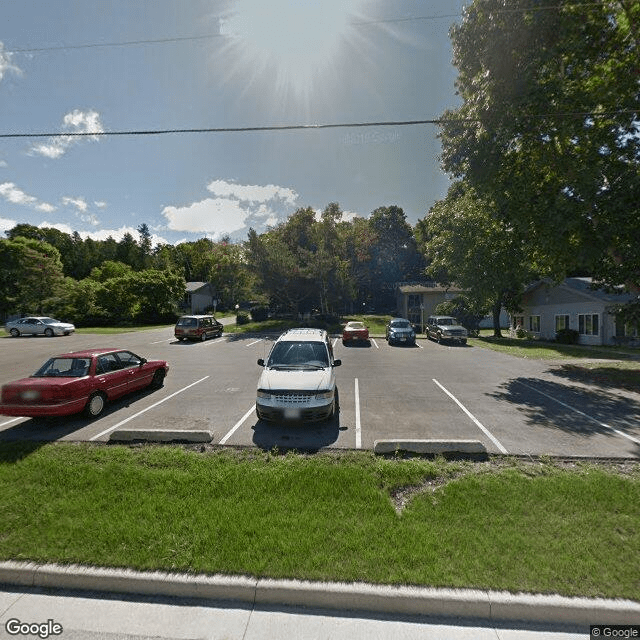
(97, 603)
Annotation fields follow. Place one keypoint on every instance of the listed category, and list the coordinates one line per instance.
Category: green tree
(469, 246)
(549, 128)
(32, 273)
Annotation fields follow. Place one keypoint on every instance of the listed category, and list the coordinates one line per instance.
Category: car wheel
(48, 333)
(158, 379)
(14, 333)
(95, 405)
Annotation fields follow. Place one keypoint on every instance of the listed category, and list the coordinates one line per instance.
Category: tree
(469, 246)
(549, 128)
(31, 273)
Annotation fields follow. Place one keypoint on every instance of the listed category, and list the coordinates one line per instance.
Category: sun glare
(292, 42)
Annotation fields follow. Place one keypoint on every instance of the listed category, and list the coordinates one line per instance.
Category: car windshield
(49, 320)
(299, 355)
(401, 324)
(446, 321)
(355, 325)
(63, 368)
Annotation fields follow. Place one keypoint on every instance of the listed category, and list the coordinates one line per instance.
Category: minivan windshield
(299, 355)
(401, 324)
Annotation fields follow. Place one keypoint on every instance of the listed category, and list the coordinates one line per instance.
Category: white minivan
(298, 382)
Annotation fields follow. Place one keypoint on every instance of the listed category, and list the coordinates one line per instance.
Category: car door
(138, 376)
(111, 377)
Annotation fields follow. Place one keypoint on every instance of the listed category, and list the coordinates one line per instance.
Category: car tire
(14, 333)
(95, 405)
(158, 379)
(48, 333)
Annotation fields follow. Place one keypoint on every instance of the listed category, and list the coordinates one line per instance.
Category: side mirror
(337, 363)
(261, 362)
(143, 361)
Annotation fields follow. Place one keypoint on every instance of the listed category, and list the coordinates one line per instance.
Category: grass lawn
(116, 330)
(503, 524)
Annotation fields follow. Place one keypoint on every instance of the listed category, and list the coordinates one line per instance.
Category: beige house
(417, 301)
(572, 304)
(200, 297)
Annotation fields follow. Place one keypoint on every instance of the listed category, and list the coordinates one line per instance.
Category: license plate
(402, 339)
(292, 414)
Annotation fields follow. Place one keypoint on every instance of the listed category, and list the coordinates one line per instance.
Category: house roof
(583, 286)
(196, 286)
(427, 287)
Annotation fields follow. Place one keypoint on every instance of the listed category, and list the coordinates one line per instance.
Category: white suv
(298, 381)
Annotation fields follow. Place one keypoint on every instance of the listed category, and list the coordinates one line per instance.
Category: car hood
(302, 380)
(449, 327)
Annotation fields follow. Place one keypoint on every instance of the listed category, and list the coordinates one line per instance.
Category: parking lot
(512, 405)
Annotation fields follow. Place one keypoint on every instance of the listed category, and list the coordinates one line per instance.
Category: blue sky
(234, 63)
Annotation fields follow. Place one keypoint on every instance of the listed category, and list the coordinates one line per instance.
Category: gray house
(547, 308)
(200, 297)
(417, 301)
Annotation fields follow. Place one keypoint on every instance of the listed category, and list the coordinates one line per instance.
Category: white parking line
(4, 424)
(254, 342)
(602, 424)
(475, 420)
(335, 342)
(159, 341)
(135, 415)
(238, 424)
(358, 424)
(375, 344)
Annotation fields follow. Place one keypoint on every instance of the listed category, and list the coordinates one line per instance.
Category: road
(512, 405)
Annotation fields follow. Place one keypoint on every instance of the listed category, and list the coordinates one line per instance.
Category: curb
(161, 435)
(430, 446)
(493, 606)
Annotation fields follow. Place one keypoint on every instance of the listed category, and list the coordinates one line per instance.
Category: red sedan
(355, 332)
(81, 381)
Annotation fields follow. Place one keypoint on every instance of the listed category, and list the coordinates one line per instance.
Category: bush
(259, 313)
(567, 336)
(242, 317)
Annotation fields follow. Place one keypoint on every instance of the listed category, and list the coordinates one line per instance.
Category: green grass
(121, 329)
(535, 527)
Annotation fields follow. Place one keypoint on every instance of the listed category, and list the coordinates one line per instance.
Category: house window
(562, 322)
(534, 324)
(414, 300)
(588, 324)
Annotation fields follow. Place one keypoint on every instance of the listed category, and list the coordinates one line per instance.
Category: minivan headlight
(264, 395)
(324, 395)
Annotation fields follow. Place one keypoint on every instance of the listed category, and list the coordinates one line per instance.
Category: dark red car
(355, 332)
(81, 381)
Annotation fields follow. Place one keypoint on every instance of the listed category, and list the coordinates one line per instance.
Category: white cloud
(3, 164)
(252, 193)
(6, 64)
(6, 224)
(15, 195)
(234, 210)
(78, 203)
(118, 234)
(100, 204)
(86, 122)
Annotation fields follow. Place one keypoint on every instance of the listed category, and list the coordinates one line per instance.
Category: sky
(100, 67)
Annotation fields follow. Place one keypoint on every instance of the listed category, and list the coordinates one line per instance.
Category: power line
(208, 36)
(299, 127)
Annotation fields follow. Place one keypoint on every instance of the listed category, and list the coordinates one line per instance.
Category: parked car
(39, 326)
(445, 328)
(197, 327)
(298, 381)
(355, 332)
(400, 330)
(80, 381)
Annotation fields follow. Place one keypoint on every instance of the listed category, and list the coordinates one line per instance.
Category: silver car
(39, 326)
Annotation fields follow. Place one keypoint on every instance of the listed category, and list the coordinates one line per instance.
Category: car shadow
(570, 409)
(55, 428)
(357, 345)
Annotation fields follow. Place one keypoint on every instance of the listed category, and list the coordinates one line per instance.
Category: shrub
(567, 336)
(259, 313)
(242, 317)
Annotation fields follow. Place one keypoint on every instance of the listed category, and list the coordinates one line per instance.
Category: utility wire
(129, 43)
(298, 127)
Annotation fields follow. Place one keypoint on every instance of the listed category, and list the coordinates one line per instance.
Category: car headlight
(264, 395)
(30, 394)
(324, 395)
